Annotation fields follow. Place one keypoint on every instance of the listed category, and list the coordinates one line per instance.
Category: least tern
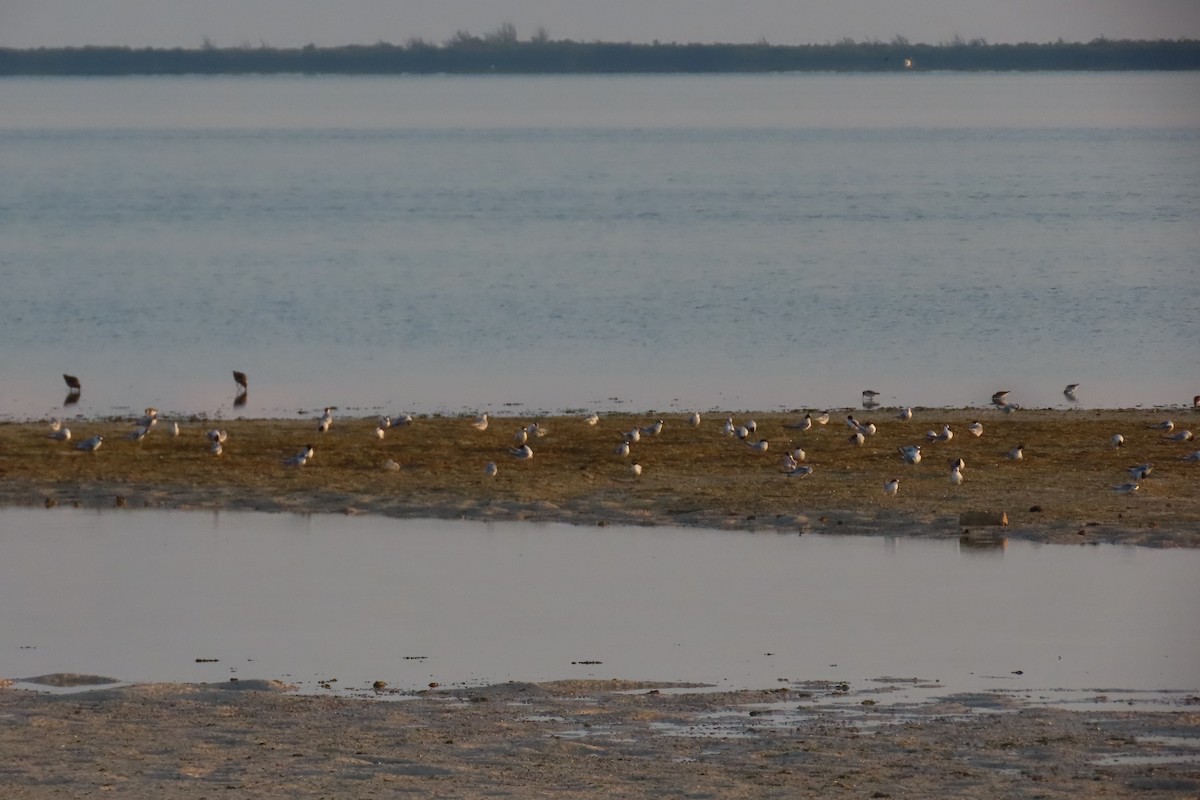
(958, 464)
(1126, 488)
(216, 435)
(956, 477)
(138, 434)
(1010, 408)
(728, 428)
(480, 423)
(741, 432)
(801, 471)
(1017, 453)
(216, 448)
(1180, 436)
(975, 429)
(522, 453)
(379, 432)
(852, 423)
(868, 429)
(60, 434)
(174, 428)
(1000, 398)
(301, 458)
(592, 419)
(1193, 456)
(634, 435)
(905, 415)
(821, 418)
(326, 421)
(892, 486)
(802, 425)
(90, 445)
(1117, 440)
(403, 419)
(652, 430)
(391, 466)
(538, 431)
(857, 438)
(911, 454)
(490, 469)
(945, 436)
(622, 449)
(1165, 425)
(760, 446)
(521, 436)
(799, 454)
(636, 469)
(1141, 471)
(55, 424)
(384, 422)
(751, 425)
(694, 419)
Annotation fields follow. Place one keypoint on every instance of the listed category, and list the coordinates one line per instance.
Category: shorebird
(892, 486)
(239, 378)
(480, 423)
(216, 448)
(1000, 398)
(1141, 471)
(326, 421)
(1126, 488)
(1165, 425)
(301, 458)
(391, 466)
(870, 394)
(728, 428)
(138, 434)
(821, 418)
(384, 422)
(72, 383)
(694, 419)
(751, 426)
(403, 419)
(592, 419)
(868, 429)
(945, 436)
(538, 431)
(852, 423)
(490, 469)
(801, 471)
(60, 434)
(905, 415)
(379, 432)
(90, 445)
(1010, 408)
(956, 477)
(802, 425)
(1070, 391)
(760, 446)
(521, 436)
(634, 435)
(522, 453)
(216, 435)
(1117, 440)
(636, 469)
(799, 454)
(856, 438)
(55, 424)
(622, 449)
(1017, 453)
(975, 429)
(1193, 456)
(652, 430)
(1180, 436)
(911, 454)
(174, 428)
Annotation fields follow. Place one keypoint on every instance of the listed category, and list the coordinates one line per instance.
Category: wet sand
(600, 739)
(1062, 490)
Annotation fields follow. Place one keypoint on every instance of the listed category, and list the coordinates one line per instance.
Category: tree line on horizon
(501, 51)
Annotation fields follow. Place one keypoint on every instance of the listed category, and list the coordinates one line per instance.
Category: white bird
(174, 428)
(216, 435)
(480, 423)
(55, 424)
(592, 419)
(308, 452)
(852, 423)
(857, 438)
(490, 469)
(391, 466)
(802, 425)
(149, 418)
(801, 471)
(799, 454)
(538, 431)
(911, 454)
(694, 419)
(622, 449)
(759, 447)
(1070, 390)
(728, 428)
(741, 432)
(892, 486)
(522, 453)
(1126, 488)
(1141, 471)
(868, 429)
(958, 464)
(1009, 408)
(821, 418)
(301, 458)
(751, 425)
(216, 448)
(652, 430)
(1165, 425)
(788, 462)
(634, 435)
(61, 435)
(1180, 436)
(384, 422)
(956, 477)
(138, 434)
(403, 419)
(1194, 456)
(636, 469)
(1117, 440)
(379, 432)
(1017, 453)
(521, 436)
(91, 445)
(905, 415)
(975, 429)
(1000, 398)
(945, 436)
(326, 421)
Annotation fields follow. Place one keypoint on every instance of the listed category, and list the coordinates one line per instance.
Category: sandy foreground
(611, 738)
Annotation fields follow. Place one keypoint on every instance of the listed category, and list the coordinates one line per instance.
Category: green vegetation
(503, 52)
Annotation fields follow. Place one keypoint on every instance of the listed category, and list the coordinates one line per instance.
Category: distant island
(502, 52)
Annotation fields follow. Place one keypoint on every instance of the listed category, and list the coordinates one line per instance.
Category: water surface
(140, 596)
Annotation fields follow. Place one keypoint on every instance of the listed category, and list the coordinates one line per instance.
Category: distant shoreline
(502, 53)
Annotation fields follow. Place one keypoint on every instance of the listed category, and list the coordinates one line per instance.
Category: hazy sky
(283, 23)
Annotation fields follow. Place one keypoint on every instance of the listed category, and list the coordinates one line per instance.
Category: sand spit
(1062, 490)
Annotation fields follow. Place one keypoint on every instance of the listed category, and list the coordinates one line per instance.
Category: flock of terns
(792, 463)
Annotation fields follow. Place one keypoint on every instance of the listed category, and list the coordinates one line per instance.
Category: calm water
(141, 595)
(450, 243)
